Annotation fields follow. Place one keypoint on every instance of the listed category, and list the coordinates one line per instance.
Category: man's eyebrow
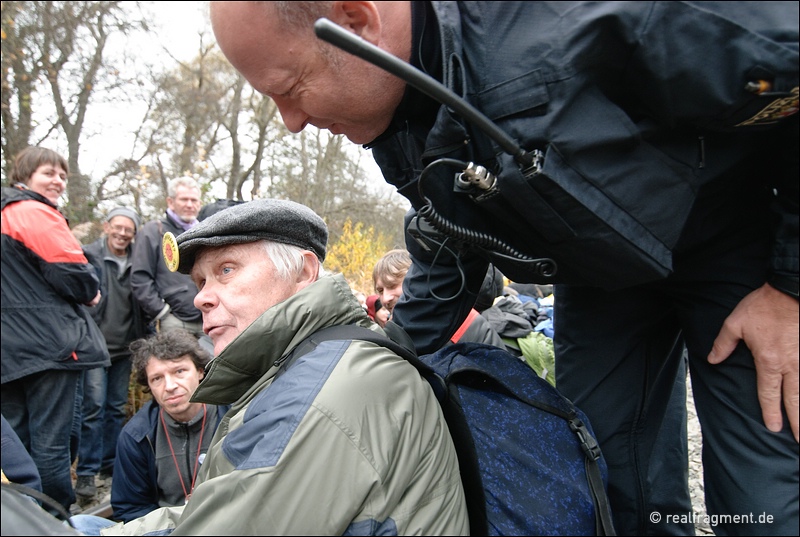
(214, 256)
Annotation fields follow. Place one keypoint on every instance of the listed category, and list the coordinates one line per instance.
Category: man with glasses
(105, 389)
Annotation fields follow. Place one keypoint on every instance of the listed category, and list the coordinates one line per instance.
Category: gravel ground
(102, 497)
(696, 464)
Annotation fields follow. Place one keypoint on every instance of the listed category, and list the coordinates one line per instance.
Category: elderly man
(166, 297)
(348, 439)
(648, 151)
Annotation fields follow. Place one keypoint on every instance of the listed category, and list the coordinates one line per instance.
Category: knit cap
(124, 211)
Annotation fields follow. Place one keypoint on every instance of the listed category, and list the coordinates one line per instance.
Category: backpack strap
(467, 453)
(602, 508)
(459, 428)
(46, 501)
(353, 331)
(409, 355)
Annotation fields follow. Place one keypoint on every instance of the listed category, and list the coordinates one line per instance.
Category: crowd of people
(144, 317)
(655, 278)
(73, 318)
(289, 419)
(148, 325)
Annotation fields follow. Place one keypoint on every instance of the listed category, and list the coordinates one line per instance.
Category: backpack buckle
(588, 443)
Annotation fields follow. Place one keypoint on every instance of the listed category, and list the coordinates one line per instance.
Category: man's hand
(767, 321)
(95, 301)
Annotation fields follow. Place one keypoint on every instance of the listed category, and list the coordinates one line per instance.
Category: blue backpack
(530, 464)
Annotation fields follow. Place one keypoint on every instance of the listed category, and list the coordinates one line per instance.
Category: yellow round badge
(169, 247)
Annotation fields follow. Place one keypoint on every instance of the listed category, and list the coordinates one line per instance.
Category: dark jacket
(96, 253)
(135, 488)
(152, 282)
(46, 279)
(17, 463)
(642, 139)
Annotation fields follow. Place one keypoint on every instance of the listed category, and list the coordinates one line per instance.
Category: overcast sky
(179, 24)
(177, 28)
(175, 34)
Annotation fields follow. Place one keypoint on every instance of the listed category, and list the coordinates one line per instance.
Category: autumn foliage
(355, 254)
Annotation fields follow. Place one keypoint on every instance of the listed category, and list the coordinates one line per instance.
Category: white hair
(187, 182)
(288, 259)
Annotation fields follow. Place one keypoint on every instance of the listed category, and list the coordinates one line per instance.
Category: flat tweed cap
(274, 220)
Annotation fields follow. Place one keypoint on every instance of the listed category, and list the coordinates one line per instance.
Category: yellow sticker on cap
(169, 247)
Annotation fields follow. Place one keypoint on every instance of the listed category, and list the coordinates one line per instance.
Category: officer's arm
(438, 293)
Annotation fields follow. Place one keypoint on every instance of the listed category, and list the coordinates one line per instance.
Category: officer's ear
(361, 18)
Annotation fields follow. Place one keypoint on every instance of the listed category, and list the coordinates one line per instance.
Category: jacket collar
(249, 360)
(20, 192)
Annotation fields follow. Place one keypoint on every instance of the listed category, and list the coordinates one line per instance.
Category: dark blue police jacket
(636, 108)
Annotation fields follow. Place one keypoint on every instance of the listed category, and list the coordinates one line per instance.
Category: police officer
(647, 164)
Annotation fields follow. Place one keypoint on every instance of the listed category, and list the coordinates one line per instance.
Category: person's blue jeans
(105, 394)
(90, 524)
(40, 408)
(75, 434)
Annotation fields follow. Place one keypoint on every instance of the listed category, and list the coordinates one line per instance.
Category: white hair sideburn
(288, 259)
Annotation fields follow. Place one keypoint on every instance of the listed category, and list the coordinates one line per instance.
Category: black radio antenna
(349, 42)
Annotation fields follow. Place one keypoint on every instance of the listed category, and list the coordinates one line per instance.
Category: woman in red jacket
(48, 337)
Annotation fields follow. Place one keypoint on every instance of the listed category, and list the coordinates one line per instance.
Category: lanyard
(186, 493)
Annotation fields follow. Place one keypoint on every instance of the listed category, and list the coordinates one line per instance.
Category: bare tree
(61, 44)
(201, 119)
(20, 73)
(263, 122)
(205, 121)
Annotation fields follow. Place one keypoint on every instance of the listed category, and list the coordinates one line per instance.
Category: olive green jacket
(347, 438)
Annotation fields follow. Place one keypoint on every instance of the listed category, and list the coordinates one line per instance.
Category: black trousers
(619, 357)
